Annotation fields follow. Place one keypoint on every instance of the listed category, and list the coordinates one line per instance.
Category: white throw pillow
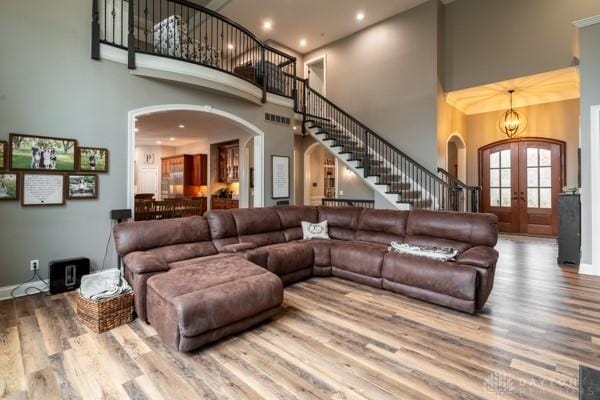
(315, 231)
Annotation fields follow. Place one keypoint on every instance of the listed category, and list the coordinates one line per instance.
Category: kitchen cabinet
(219, 203)
(183, 175)
(229, 162)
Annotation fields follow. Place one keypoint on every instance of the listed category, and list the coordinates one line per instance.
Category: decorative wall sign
(280, 171)
(149, 158)
(28, 152)
(93, 159)
(40, 189)
(3, 155)
(82, 186)
(9, 186)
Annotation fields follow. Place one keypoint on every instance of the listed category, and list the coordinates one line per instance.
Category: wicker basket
(101, 316)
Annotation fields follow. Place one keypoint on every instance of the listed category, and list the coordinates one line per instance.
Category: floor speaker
(65, 275)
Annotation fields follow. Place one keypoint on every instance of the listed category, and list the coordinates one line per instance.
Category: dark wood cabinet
(229, 162)
(183, 175)
(218, 203)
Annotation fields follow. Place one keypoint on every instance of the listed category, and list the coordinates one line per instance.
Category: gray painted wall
(494, 40)
(590, 96)
(50, 86)
(386, 76)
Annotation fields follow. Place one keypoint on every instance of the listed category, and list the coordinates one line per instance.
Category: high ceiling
(317, 21)
(542, 88)
(162, 126)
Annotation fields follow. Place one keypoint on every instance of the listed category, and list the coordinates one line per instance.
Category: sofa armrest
(479, 256)
(237, 247)
(140, 262)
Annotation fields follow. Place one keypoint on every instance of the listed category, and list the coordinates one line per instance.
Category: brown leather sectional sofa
(198, 279)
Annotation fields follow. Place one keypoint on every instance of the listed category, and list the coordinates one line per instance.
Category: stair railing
(185, 31)
(463, 197)
(412, 182)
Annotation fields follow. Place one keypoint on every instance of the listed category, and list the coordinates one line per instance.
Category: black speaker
(120, 215)
(65, 275)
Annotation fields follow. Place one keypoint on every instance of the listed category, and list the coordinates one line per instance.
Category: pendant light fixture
(511, 123)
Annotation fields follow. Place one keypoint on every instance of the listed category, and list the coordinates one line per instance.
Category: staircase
(398, 178)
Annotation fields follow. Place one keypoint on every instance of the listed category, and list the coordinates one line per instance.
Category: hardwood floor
(335, 340)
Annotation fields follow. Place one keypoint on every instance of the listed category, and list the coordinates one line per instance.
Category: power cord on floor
(36, 290)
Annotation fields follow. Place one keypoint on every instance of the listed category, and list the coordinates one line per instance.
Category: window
(500, 179)
(539, 178)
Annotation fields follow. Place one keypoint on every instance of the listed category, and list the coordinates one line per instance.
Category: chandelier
(511, 123)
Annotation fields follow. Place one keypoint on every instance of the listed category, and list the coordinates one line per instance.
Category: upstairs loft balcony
(181, 41)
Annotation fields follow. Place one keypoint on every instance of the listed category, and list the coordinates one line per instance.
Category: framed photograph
(3, 155)
(42, 189)
(93, 159)
(149, 157)
(9, 186)
(82, 186)
(280, 172)
(37, 153)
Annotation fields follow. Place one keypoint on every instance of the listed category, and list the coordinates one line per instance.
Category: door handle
(523, 196)
(515, 196)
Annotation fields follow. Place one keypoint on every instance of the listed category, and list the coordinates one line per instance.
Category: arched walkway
(457, 144)
(257, 137)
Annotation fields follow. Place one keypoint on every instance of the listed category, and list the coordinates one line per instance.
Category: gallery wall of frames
(47, 171)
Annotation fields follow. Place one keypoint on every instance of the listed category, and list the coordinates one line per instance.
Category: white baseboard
(5, 291)
(589, 269)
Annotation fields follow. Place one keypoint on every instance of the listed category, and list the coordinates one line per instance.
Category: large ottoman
(198, 304)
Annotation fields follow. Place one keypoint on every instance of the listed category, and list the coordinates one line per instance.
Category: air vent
(277, 119)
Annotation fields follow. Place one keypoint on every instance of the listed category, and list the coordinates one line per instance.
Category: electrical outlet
(34, 265)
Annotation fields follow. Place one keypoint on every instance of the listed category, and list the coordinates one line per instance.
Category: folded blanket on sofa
(435, 253)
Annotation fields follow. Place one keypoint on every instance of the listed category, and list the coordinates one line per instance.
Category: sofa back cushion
(382, 226)
(342, 221)
(222, 228)
(291, 218)
(260, 226)
(191, 233)
(473, 229)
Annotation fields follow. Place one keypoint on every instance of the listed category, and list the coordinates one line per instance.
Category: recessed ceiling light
(302, 42)
(158, 142)
(172, 139)
(267, 25)
(230, 46)
(295, 128)
(182, 126)
(360, 16)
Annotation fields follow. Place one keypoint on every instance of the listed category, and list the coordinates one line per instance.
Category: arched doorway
(520, 180)
(320, 174)
(456, 156)
(257, 138)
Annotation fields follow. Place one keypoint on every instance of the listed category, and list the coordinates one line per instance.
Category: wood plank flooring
(334, 340)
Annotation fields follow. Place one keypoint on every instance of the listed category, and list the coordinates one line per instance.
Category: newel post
(130, 38)
(95, 31)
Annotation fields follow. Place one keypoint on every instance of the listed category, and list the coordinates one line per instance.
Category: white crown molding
(585, 22)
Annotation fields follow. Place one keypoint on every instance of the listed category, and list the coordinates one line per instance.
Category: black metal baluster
(95, 31)
(131, 38)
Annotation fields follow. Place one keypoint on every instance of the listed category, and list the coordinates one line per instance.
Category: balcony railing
(181, 30)
(463, 197)
(331, 202)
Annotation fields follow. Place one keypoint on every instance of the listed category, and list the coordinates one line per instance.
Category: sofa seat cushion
(283, 258)
(195, 262)
(213, 294)
(430, 241)
(321, 249)
(446, 278)
(361, 258)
